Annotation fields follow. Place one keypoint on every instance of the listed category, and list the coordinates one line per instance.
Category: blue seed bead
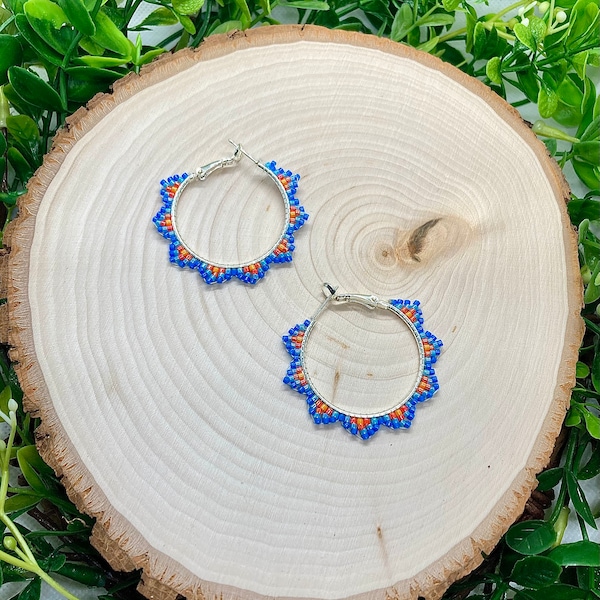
(335, 416)
(364, 434)
(353, 428)
(395, 423)
(317, 418)
(312, 409)
(325, 418)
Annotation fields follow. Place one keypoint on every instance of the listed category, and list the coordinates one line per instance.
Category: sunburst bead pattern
(365, 426)
(214, 272)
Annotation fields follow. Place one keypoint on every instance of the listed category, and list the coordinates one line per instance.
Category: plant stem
(506, 10)
(54, 584)
(452, 34)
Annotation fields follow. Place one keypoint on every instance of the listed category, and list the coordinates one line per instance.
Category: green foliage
(55, 55)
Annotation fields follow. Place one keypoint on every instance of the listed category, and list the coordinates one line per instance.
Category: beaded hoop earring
(365, 425)
(214, 272)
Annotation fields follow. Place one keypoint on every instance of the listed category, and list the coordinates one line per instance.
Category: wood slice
(162, 398)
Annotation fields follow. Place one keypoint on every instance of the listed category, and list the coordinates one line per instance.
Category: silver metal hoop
(217, 272)
(365, 424)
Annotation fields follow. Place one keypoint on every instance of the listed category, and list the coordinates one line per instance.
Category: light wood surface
(161, 397)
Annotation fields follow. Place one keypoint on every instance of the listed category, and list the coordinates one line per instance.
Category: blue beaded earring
(365, 425)
(214, 272)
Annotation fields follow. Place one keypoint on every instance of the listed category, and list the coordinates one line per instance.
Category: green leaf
(9, 198)
(246, 18)
(188, 24)
(568, 116)
(569, 93)
(78, 16)
(29, 472)
(31, 455)
(160, 16)
(82, 90)
(581, 370)
(89, 576)
(306, 4)
(592, 423)
(378, 8)
(577, 554)
(34, 90)
(85, 43)
(450, 54)
(549, 479)
(580, 63)
(591, 294)
(595, 366)
(429, 45)
(535, 572)
(530, 537)
(187, 7)
(547, 101)
(103, 61)
(150, 55)
(579, 500)
(573, 417)
(588, 151)
(94, 74)
(21, 502)
(555, 75)
(558, 591)
(479, 40)
(583, 21)
(23, 128)
(529, 83)
(592, 468)
(12, 573)
(492, 69)
(50, 22)
(436, 19)
(32, 591)
(592, 131)
(10, 55)
(22, 168)
(450, 5)
(109, 36)
(53, 563)
(402, 23)
(587, 173)
(5, 396)
(525, 36)
(537, 27)
(36, 42)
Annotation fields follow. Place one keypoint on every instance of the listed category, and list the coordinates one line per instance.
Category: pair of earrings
(322, 411)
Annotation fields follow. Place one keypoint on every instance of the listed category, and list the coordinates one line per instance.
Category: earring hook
(238, 149)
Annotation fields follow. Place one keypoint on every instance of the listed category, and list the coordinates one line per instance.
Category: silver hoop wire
(182, 254)
(371, 302)
(202, 174)
(365, 424)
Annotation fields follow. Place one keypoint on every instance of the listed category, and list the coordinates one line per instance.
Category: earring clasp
(230, 161)
(369, 300)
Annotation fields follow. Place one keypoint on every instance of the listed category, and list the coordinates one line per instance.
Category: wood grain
(161, 397)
